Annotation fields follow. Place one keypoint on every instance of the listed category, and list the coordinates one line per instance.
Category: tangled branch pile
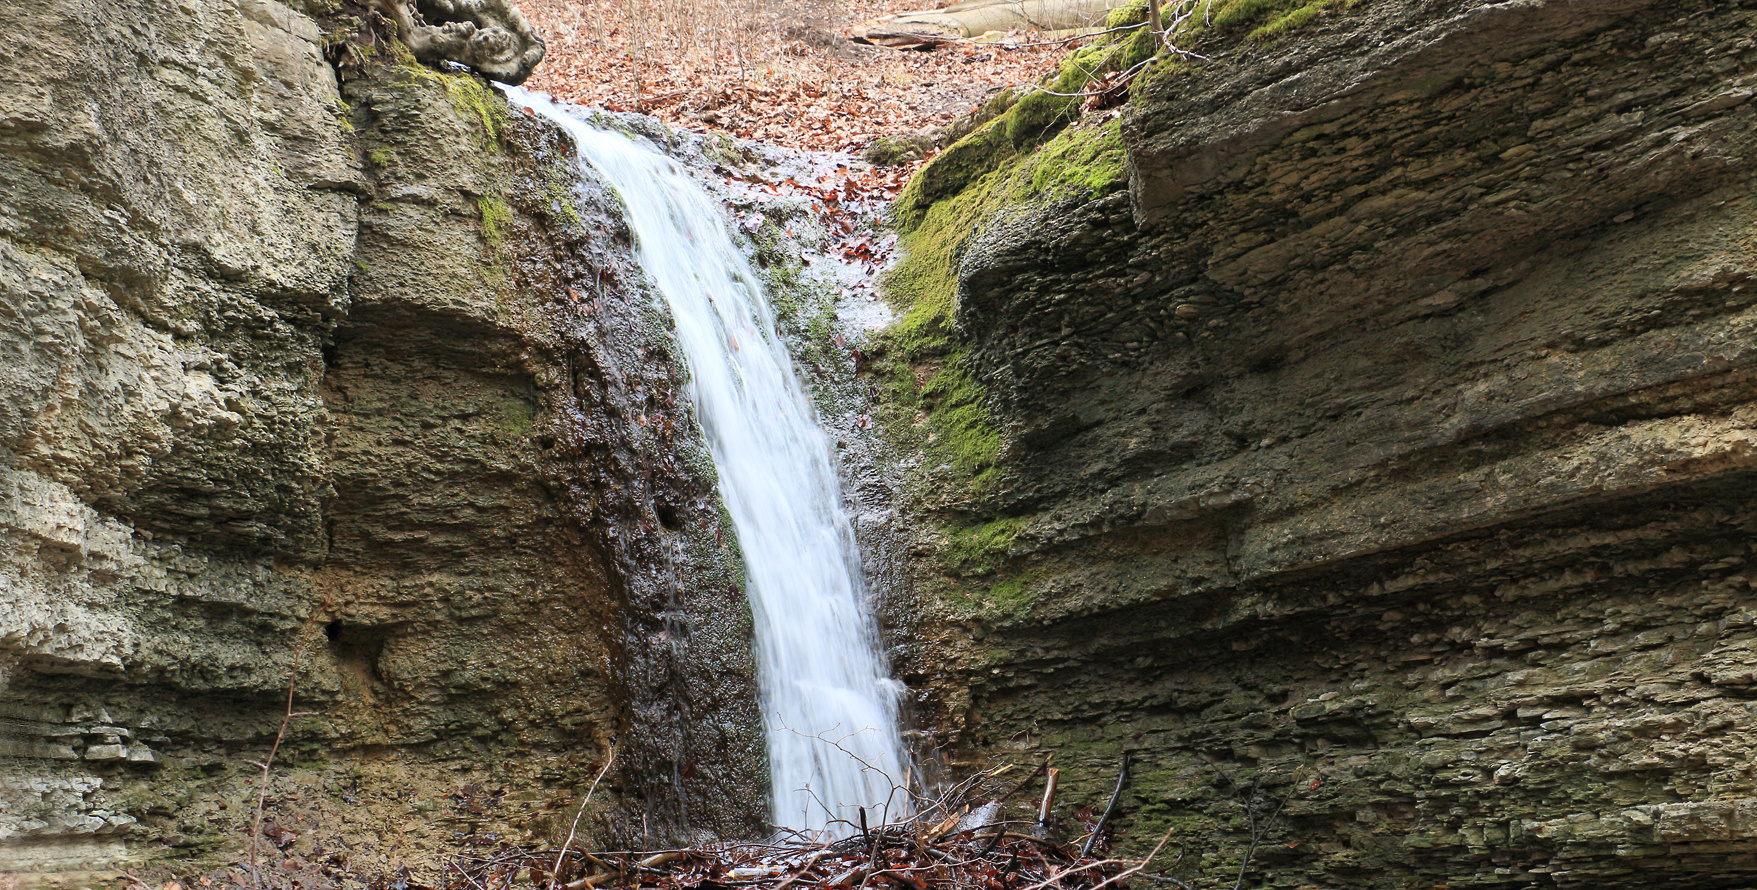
(894, 856)
(946, 844)
(992, 857)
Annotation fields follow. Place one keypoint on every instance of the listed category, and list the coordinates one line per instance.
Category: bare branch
(553, 872)
(280, 734)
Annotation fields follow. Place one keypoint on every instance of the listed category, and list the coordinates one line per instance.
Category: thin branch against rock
(268, 762)
(1259, 827)
(574, 828)
(1122, 777)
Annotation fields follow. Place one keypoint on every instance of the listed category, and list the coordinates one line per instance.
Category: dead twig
(1048, 797)
(1062, 40)
(804, 868)
(1040, 770)
(1122, 776)
(553, 872)
(280, 734)
(1122, 876)
(1121, 79)
(1119, 876)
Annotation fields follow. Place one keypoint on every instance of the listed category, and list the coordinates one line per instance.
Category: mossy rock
(893, 151)
(1030, 118)
(1268, 19)
(496, 218)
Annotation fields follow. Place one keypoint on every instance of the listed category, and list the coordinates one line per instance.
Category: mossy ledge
(1038, 149)
(1029, 118)
(1026, 151)
(924, 371)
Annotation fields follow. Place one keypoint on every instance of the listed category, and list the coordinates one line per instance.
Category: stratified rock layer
(1383, 455)
(366, 363)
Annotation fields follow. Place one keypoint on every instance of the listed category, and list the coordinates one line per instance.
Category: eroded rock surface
(490, 36)
(379, 365)
(1385, 444)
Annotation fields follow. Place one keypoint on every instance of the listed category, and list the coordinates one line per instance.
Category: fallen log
(931, 28)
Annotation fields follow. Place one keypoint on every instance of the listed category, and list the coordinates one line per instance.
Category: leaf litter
(777, 71)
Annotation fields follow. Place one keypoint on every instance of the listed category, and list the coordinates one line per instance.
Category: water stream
(829, 706)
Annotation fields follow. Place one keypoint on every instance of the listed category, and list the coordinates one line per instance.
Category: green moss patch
(980, 548)
(1268, 19)
(1035, 116)
(963, 428)
(1011, 596)
(1088, 160)
(470, 95)
(473, 98)
(998, 602)
(516, 417)
(496, 218)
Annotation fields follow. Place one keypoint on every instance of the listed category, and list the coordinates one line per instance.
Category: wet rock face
(1389, 439)
(284, 363)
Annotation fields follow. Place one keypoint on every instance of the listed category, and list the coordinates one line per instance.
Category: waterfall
(829, 706)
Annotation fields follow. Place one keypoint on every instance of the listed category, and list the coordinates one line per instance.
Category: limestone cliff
(1362, 431)
(368, 359)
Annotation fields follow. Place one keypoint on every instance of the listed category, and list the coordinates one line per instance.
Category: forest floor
(779, 71)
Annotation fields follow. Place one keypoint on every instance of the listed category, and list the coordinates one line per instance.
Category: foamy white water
(829, 706)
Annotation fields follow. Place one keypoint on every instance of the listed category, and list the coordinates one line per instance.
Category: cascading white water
(829, 705)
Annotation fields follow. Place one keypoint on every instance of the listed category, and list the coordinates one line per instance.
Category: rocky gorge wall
(1355, 429)
(1361, 425)
(362, 363)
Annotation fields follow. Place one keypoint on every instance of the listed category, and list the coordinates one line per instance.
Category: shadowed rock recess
(1379, 446)
(371, 359)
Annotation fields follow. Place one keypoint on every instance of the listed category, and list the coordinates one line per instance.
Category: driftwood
(490, 36)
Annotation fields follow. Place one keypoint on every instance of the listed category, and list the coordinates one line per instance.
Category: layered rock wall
(1377, 454)
(364, 364)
